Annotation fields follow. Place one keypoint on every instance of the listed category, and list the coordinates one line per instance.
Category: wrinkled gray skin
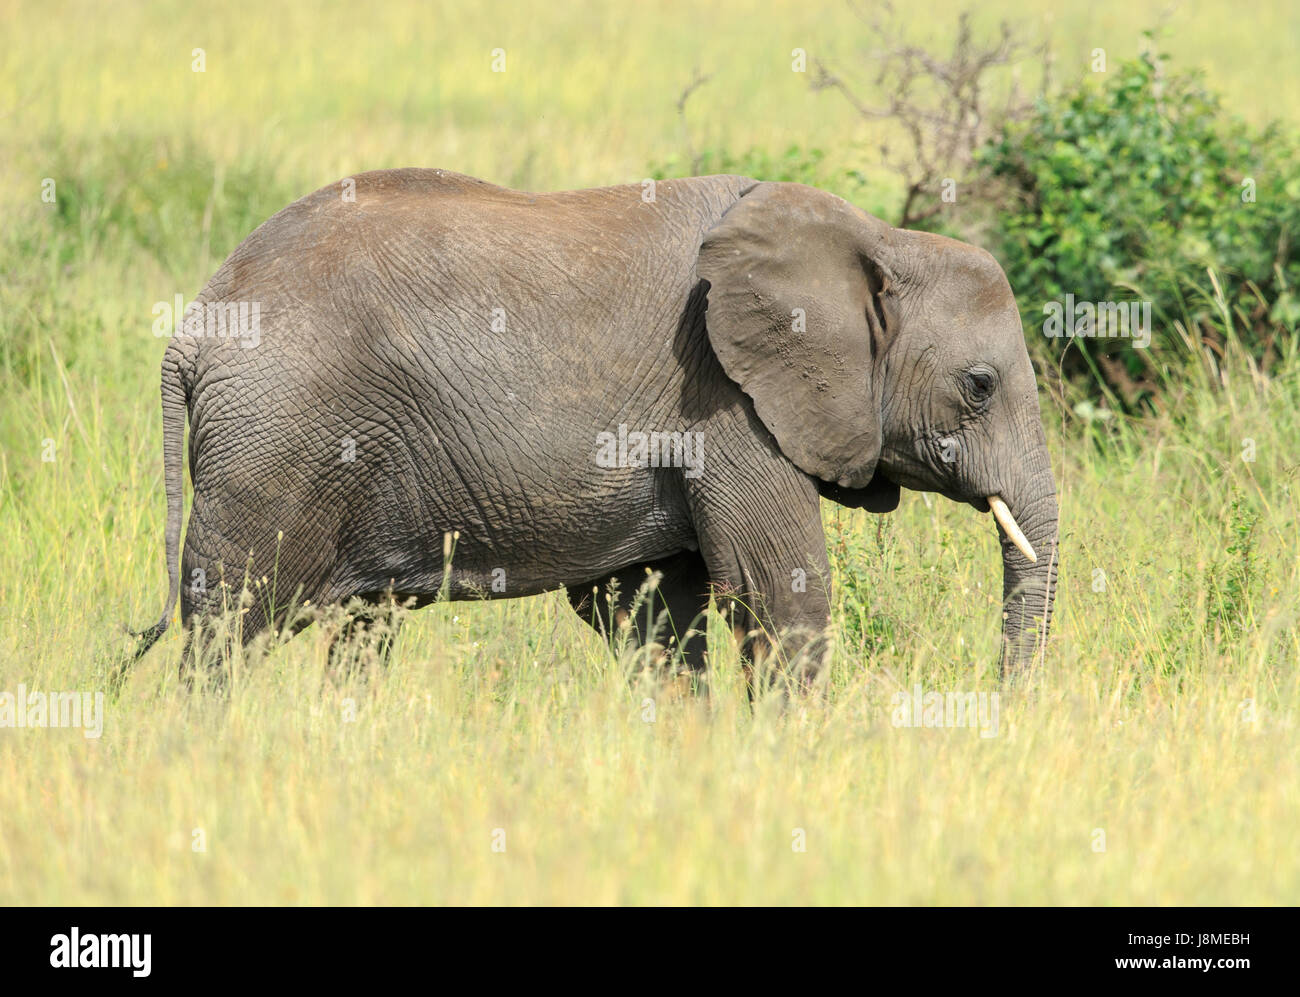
(812, 347)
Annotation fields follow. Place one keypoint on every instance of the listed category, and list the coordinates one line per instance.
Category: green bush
(1131, 191)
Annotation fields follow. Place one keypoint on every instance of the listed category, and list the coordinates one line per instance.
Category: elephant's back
(432, 302)
(429, 266)
(387, 219)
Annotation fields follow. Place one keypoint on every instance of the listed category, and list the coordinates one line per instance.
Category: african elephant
(587, 384)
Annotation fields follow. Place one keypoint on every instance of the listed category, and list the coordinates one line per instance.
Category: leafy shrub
(1132, 190)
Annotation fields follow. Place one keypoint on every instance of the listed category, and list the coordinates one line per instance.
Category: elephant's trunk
(1029, 588)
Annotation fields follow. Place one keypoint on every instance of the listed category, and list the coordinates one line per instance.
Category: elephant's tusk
(1012, 529)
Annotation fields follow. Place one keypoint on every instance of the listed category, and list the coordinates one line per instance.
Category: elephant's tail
(175, 402)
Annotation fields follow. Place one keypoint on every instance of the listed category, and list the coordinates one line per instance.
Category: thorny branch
(940, 103)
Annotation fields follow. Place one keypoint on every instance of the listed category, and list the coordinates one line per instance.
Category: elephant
(660, 379)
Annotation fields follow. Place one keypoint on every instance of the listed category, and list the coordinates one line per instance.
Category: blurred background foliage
(1121, 184)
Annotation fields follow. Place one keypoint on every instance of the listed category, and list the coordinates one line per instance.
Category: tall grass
(1153, 761)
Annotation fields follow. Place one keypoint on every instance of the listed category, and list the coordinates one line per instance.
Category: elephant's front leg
(656, 602)
(758, 519)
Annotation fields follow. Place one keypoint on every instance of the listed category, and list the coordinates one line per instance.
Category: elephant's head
(879, 357)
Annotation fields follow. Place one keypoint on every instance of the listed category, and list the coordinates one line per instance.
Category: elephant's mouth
(883, 493)
(883, 482)
(880, 494)
(979, 503)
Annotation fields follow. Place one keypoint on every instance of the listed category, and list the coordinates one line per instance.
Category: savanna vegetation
(505, 755)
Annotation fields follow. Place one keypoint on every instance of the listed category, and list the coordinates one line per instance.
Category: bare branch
(939, 101)
(698, 80)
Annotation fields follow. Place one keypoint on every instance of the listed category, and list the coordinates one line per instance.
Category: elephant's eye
(979, 382)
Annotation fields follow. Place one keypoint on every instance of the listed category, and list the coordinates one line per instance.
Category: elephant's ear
(799, 307)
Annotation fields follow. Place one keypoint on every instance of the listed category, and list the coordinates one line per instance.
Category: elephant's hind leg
(367, 632)
(245, 583)
(667, 612)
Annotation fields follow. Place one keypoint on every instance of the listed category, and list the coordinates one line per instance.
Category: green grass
(1165, 713)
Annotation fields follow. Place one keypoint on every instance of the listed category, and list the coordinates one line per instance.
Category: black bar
(338, 947)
